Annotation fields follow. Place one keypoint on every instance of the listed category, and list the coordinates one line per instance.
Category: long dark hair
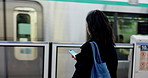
(99, 27)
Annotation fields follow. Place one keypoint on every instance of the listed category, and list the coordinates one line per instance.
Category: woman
(100, 31)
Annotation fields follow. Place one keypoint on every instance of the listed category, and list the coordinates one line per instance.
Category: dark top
(85, 60)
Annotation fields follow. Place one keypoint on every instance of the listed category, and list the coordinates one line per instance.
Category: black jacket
(85, 60)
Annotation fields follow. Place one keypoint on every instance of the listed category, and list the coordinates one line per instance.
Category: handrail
(121, 45)
(13, 43)
(9, 43)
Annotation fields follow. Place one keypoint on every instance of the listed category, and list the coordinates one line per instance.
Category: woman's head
(99, 27)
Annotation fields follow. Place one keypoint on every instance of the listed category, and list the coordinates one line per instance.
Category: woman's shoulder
(86, 45)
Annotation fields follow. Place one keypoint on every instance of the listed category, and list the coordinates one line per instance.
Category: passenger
(120, 39)
(99, 31)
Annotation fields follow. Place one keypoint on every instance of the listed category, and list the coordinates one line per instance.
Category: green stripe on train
(103, 2)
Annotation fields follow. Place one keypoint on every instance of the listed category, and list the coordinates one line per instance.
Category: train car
(64, 21)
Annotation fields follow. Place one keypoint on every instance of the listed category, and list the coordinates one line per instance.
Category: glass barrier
(123, 53)
(63, 63)
(32, 59)
(23, 60)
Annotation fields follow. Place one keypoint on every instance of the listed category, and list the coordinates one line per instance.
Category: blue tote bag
(99, 68)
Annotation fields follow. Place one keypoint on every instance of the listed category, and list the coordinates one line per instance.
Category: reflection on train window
(122, 54)
(15, 68)
(23, 27)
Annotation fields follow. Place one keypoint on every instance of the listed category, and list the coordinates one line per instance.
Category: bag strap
(96, 53)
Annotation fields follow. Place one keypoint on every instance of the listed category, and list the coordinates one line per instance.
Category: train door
(23, 23)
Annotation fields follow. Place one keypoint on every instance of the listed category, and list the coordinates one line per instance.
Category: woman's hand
(73, 57)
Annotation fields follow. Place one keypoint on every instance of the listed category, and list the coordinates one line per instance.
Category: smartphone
(73, 53)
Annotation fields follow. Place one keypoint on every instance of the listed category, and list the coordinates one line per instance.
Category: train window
(131, 24)
(23, 27)
(127, 24)
(142, 27)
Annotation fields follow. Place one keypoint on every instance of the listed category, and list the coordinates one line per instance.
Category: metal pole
(115, 28)
(127, 46)
(5, 39)
(4, 17)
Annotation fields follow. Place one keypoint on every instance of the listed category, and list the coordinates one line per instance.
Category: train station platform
(52, 60)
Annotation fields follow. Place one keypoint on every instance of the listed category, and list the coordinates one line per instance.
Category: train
(60, 21)
(64, 21)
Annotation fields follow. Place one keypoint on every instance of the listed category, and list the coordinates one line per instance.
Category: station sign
(143, 58)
